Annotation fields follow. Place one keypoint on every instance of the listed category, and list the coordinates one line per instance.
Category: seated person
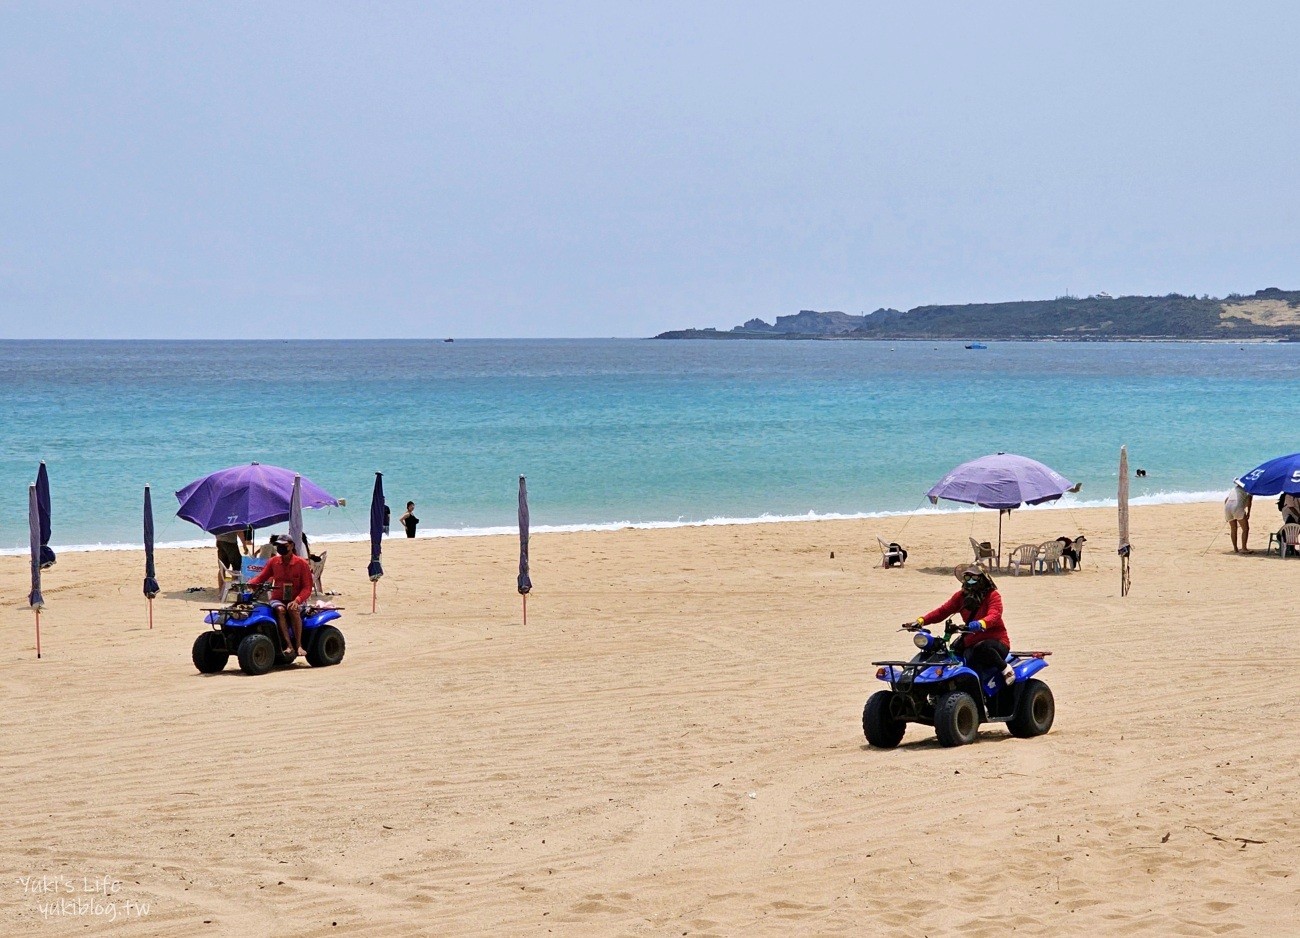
(978, 602)
(1070, 552)
(293, 584)
(267, 550)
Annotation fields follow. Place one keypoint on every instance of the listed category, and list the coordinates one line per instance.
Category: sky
(545, 169)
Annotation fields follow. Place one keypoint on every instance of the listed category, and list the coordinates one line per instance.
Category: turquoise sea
(617, 431)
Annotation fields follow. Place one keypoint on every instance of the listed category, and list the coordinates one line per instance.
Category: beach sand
(672, 746)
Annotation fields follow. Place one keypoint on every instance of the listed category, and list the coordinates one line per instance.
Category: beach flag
(150, 574)
(43, 510)
(376, 568)
(34, 598)
(1125, 575)
(524, 582)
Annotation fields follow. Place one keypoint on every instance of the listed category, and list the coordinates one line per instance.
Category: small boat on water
(449, 340)
(977, 345)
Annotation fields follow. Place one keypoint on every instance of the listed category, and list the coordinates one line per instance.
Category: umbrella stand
(524, 596)
(151, 614)
(38, 634)
(374, 595)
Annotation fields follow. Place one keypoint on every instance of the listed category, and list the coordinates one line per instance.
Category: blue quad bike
(938, 689)
(248, 629)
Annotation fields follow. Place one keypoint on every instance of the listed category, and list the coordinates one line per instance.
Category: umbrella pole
(998, 562)
(38, 633)
(151, 612)
(525, 598)
(374, 596)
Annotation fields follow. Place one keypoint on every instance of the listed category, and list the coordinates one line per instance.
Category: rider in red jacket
(980, 606)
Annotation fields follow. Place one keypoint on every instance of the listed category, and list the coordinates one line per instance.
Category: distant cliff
(1267, 314)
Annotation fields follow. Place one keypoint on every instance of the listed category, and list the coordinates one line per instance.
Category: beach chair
(1049, 557)
(1023, 556)
(985, 555)
(318, 568)
(1286, 540)
(891, 554)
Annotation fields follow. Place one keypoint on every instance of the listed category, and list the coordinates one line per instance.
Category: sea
(613, 433)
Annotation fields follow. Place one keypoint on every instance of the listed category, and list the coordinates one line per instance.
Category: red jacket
(990, 611)
(291, 570)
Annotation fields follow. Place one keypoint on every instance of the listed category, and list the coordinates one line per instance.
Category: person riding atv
(978, 602)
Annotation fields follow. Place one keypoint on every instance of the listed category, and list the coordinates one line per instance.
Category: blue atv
(938, 689)
(248, 629)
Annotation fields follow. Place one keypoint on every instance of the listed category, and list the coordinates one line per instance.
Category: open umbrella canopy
(254, 494)
(1002, 481)
(1277, 476)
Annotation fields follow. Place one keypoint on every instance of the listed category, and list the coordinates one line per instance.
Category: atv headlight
(921, 640)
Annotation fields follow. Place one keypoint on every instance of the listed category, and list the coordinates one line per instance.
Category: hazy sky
(599, 169)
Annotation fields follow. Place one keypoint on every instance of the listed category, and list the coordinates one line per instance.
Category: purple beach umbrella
(253, 494)
(1002, 481)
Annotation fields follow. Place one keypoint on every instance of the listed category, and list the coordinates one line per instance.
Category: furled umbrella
(34, 598)
(1125, 549)
(253, 494)
(1003, 481)
(295, 518)
(524, 582)
(150, 574)
(376, 568)
(43, 508)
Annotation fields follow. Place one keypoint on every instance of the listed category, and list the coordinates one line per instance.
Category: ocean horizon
(616, 433)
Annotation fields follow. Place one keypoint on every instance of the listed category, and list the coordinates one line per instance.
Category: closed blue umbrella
(150, 582)
(525, 582)
(43, 508)
(34, 598)
(376, 568)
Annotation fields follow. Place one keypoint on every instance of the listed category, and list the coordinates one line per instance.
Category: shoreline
(1164, 498)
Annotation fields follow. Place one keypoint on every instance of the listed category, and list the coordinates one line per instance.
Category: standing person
(408, 520)
(388, 514)
(293, 586)
(1236, 511)
(228, 554)
(978, 601)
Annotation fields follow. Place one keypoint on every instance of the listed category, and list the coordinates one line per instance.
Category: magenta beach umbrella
(254, 494)
(1003, 481)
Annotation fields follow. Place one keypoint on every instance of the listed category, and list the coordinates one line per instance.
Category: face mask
(971, 582)
(282, 551)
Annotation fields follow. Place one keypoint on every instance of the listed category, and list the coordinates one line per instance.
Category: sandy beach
(671, 746)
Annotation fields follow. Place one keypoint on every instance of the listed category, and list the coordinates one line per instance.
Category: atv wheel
(327, 649)
(256, 654)
(1035, 711)
(956, 719)
(882, 729)
(208, 656)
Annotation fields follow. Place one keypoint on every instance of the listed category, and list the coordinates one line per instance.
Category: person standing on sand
(1236, 511)
(408, 520)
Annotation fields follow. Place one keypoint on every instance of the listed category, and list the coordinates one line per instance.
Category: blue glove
(975, 625)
